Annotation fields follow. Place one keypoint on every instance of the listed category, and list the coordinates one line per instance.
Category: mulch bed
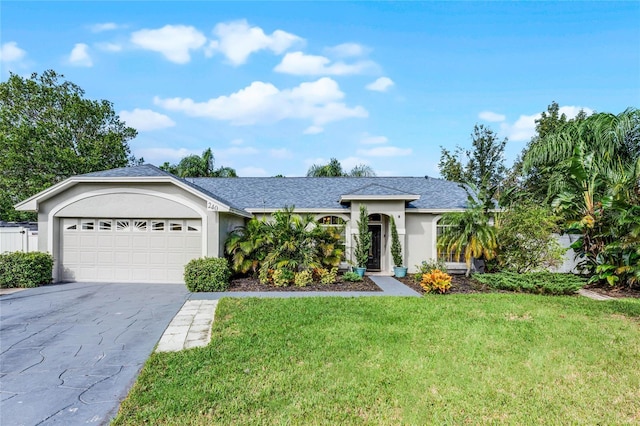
(459, 284)
(614, 291)
(253, 285)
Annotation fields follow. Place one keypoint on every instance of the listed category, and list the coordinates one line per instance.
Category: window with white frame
(447, 256)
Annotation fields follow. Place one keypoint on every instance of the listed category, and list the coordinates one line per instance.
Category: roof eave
(394, 197)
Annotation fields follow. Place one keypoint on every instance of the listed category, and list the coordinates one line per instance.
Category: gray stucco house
(141, 224)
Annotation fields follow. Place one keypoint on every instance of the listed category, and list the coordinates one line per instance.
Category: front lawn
(478, 359)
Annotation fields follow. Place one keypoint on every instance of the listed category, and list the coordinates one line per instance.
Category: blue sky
(274, 87)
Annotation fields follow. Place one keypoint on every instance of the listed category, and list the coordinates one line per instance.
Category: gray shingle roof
(308, 192)
(145, 170)
(376, 189)
(324, 193)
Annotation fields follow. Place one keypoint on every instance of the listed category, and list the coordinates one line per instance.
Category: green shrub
(25, 270)
(207, 274)
(328, 276)
(533, 282)
(303, 278)
(428, 266)
(351, 276)
(282, 277)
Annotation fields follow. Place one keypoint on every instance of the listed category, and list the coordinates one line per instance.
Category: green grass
(478, 359)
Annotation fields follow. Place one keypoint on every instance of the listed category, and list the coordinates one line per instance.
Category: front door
(373, 264)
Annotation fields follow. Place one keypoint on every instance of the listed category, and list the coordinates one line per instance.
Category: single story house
(142, 224)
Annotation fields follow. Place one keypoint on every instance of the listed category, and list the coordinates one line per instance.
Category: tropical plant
(303, 278)
(468, 232)
(289, 242)
(198, 166)
(351, 276)
(396, 248)
(334, 169)
(436, 281)
(363, 239)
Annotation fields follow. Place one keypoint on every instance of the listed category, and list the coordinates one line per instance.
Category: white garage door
(128, 250)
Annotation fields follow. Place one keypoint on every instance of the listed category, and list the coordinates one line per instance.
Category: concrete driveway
(69, 353)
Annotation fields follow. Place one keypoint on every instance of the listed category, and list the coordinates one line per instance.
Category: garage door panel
(128, 254)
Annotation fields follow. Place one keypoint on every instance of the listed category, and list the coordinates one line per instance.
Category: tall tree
(198, 166)
(482, 165)
(48, 132)
(334, 169)
(534, 179)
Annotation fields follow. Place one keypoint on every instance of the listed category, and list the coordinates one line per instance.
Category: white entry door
(128, 250)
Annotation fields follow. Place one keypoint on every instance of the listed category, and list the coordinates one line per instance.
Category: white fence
(18, 238)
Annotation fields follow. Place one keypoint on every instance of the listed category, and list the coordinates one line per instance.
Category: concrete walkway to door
(69, 353)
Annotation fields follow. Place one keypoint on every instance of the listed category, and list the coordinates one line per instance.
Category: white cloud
(524, 127)
(299, 63)
(252, 172)
(109, 47)
(313, 130)
(237, 41)
(491, 116)
(106, 26)
(350, 162)
(236, 150)
(385, 151)
(263, 103)
(282, 153)
(346, 50)
(174, 42)
(236, 142)
(368, 139)
(10, 52)
(145, 120)
(380, 85)
(80, 56)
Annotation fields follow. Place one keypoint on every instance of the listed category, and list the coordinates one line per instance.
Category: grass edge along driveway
(496, 358)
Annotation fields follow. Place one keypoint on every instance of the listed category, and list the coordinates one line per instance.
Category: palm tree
(468, 232)
(334, 169)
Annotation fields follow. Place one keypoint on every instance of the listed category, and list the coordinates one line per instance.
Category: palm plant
(247, 246)
(468, 232)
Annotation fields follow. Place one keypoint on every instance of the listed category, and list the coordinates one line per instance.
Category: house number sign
(211, 206)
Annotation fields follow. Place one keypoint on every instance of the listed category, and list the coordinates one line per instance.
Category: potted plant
(396, 252)
(363, 242)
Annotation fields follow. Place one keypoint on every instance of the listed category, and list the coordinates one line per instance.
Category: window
(339, 225)
(451, 256)
(123, 226)
(175, 226)
(375, 218)
(193, 226)
(104, 225)
(157, 225)
(87, 225)
(70, 224)
(140, 225)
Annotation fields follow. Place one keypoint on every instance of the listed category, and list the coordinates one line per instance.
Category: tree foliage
(198, 166)
(482, 165)
(525, 238)
(49, 131)
(334, 169)
(362, 239)
(593, 168)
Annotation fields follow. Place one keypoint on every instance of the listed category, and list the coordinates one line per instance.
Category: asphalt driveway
(70, 352)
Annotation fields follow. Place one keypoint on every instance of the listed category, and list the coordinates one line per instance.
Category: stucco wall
(228, 223)
(421, 234)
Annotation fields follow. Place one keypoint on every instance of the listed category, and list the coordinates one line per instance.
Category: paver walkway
(593, 295)
(190, 328)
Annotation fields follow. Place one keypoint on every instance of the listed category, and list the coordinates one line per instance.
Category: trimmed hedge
(533, 282)
(207, 274)
(25, 270)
